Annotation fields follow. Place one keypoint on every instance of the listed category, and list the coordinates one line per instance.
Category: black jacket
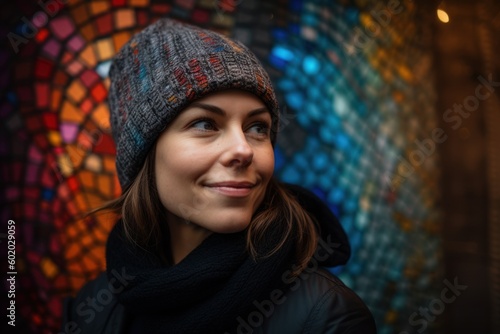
(317, 302)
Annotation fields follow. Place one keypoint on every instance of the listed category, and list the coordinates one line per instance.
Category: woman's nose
(237, 151)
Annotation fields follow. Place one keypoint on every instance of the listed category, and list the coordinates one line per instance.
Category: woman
(208, 241)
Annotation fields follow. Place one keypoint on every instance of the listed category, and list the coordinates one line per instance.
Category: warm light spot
(49, 268)
(443, 16)
(55, 138)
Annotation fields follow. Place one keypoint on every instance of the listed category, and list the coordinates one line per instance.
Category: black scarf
(216, 282)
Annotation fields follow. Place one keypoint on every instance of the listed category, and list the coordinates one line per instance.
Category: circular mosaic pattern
(357, 117)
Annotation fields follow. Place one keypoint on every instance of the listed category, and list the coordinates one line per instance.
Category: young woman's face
(214, 161)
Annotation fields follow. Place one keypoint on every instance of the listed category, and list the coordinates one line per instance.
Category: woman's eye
(204, 125)
(260, 128)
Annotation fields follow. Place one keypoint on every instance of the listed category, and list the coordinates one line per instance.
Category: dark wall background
(467, 49)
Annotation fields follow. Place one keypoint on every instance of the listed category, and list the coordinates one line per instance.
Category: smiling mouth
(232, 189)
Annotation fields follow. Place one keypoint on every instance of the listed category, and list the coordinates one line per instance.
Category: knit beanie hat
(164, 68)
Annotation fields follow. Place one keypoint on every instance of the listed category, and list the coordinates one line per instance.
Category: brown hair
(141, 211)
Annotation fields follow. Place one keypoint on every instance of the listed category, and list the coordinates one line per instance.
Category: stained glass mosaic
(354, 78)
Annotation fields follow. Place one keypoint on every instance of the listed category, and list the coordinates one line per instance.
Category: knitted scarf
(209, 289)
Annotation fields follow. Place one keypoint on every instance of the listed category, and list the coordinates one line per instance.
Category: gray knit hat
(164, 68)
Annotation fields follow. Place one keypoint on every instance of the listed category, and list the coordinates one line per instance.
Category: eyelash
(264, 125)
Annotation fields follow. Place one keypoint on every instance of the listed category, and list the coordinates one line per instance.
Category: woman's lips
(232, 188)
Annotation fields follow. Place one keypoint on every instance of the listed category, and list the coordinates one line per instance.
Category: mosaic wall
(354, 79)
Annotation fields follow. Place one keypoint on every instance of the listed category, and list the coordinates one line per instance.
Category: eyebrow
(219, 111)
